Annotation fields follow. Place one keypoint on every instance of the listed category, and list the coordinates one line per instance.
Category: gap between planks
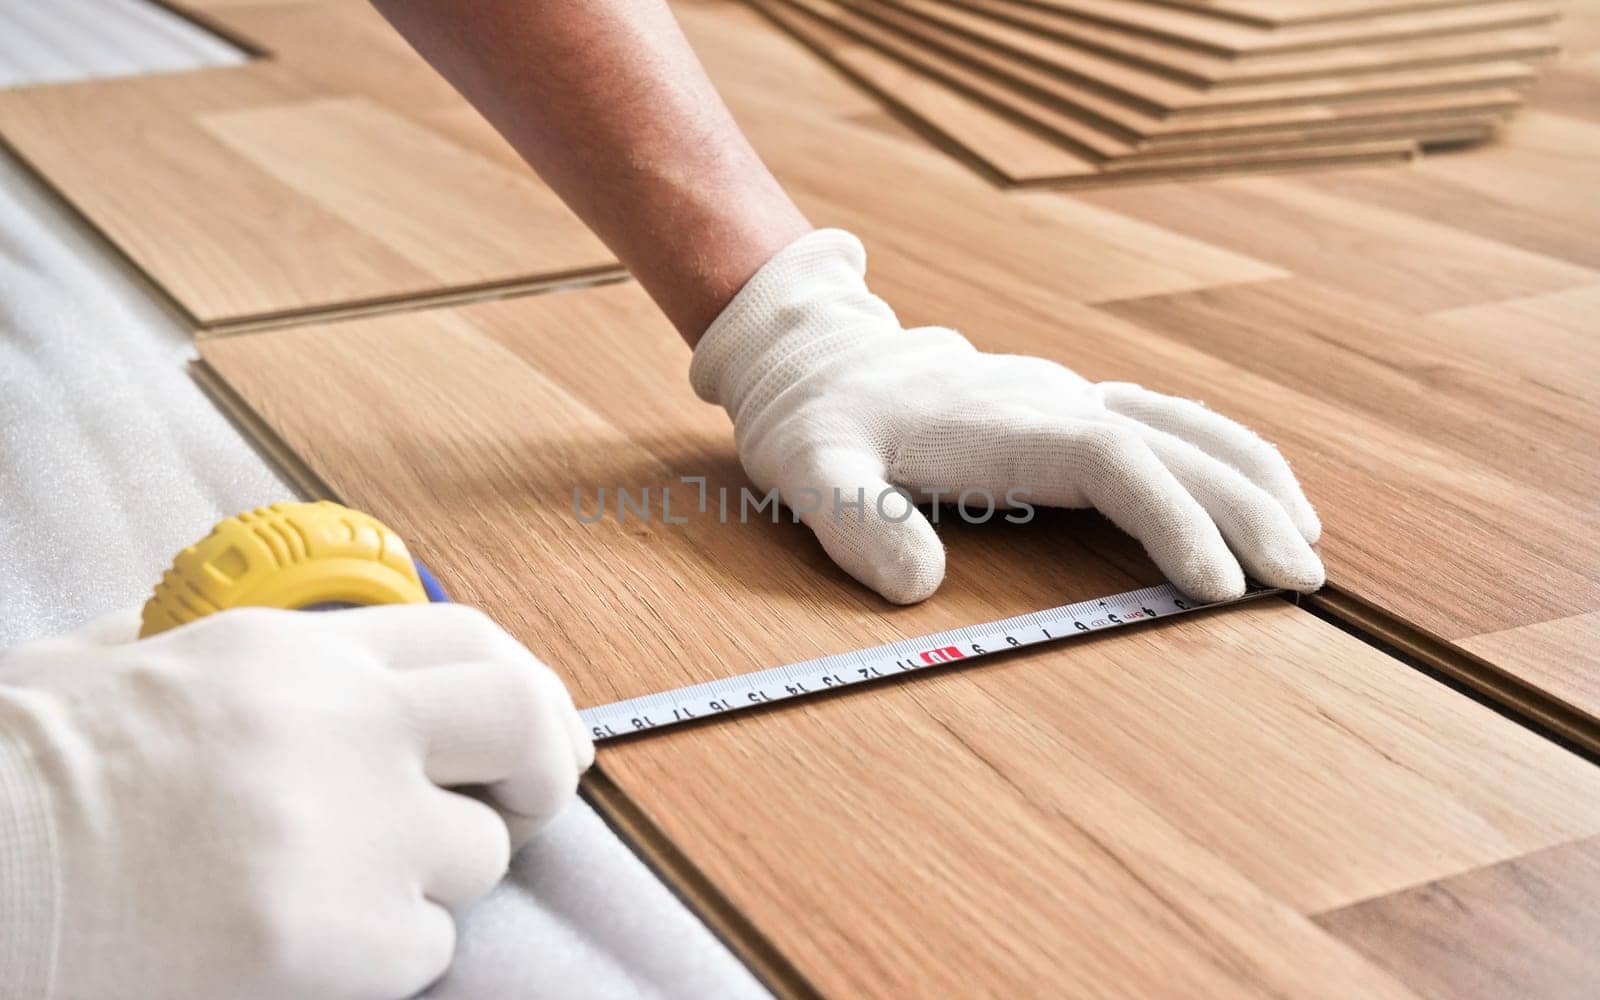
(625, 817)
(1518, 699)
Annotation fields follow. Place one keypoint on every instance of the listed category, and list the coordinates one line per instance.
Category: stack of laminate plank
(1071, 91)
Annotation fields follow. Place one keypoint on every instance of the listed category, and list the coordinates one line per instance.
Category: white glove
(834, 405)
(252, 805)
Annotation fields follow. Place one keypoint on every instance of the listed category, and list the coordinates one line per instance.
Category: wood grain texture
(1024, 141)
(1525, 928)
(1553, 345)
(1009, 131)
(1122, 94)
(1559, 655)
(1159, 808)
(1202, 68)
(1000, 101)
(1228, 38)
(1354, 246)
(1418, 457)
(252, 192)
(1277, 12)
(997, 41)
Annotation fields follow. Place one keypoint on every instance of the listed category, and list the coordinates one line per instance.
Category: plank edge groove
(634, 827)
(1520, 700)
(452, 295)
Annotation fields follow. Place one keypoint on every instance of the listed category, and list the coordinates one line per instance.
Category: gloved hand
(834, 404)
(253, 805)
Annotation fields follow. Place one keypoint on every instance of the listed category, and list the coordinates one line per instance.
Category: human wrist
(805, 305)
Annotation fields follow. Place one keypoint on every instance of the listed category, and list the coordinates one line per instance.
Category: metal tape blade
(806, 678)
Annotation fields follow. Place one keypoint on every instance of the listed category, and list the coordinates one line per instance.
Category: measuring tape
(894, 659)
(323, 555)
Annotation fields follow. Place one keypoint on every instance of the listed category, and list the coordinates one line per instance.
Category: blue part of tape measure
(430, 586)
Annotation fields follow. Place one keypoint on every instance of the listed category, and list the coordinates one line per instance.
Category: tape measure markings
(841, 670)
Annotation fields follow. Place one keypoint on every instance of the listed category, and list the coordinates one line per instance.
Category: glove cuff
(805, 305)
(29, 890)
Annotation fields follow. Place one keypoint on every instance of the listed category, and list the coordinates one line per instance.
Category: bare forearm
(605, 99)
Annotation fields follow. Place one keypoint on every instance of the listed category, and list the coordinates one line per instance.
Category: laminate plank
(1367, 474)
(1211, 34)
(1100, 129)
(1164, 96)
(1272, 13)
(1553, 346)
(1504, 214)
(251, 193)
(1080, 79)
(343, 47)
(1558, 655)
(1349, 245)
(1546, 165)
(1419, 456)
(1001, 129)
(1014, 152)
(1158, 808)
(1206, 69)
(1526, 928)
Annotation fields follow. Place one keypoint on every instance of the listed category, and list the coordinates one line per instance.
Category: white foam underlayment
(112, 459)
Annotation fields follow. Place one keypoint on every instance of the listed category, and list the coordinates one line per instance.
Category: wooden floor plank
(1350, 245)
(1122, 94)
(1132, 812)
(1016, 153)
(1026, 141)
(1524, 928)
(1220, 36)
(1155, 92)
(1553, 345)
(251, 192)
(1201, 68)
(1497, 509)
(1280, 12)
(1558, 656)
(998, 126)
(1504, 214)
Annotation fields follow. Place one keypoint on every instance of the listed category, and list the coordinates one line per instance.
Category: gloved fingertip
(1306, 519)
(1305, 575)
(1210, 579)
(582, 746)
(912, 573)
(911, 584)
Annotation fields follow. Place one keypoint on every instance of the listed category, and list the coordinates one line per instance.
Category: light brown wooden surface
(1024, 141)
(249, 193)
(1276, 12)
(1162, 807)
(1156, 93)
(1224, 37)
(1204, 68)
(1559, 655)
(1082, 80)
(1523, 928)
(1009, 131)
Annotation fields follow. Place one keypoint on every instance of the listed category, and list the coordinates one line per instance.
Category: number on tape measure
(842, 670)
